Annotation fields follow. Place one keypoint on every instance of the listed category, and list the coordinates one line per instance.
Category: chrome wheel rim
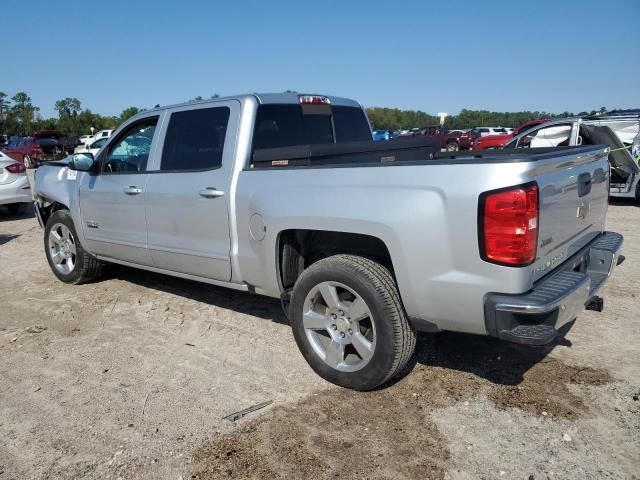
(339, 326)
(27, 161)
(62, 248)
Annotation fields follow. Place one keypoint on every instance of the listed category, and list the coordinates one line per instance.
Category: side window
(552, 136)
(129, 153)
(195, 139)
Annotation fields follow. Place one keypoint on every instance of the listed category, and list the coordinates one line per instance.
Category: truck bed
(406, 152)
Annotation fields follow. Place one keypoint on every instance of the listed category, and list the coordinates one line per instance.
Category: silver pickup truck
(364, 242)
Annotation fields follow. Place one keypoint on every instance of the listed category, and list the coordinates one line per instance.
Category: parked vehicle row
(364, 242)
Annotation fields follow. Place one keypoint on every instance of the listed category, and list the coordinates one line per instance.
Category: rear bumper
(16, 192)
(533, 318)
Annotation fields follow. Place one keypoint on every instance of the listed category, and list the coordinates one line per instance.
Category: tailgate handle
(584, 184)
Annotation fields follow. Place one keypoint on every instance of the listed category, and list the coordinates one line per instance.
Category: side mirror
(82, 162)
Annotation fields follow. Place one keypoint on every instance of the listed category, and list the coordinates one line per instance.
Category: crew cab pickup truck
(364, 242)
(448, 140)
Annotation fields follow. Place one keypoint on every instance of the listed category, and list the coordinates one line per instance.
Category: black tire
(16, 208)
(453, 147)
(86, 267)
(395, 337)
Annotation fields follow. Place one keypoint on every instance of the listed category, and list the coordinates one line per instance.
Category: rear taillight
(508, 221)
(16, 168)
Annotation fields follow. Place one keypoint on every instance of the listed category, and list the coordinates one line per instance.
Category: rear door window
(195, 139)
(287, 125)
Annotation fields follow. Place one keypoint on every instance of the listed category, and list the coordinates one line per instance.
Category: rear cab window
(287, 125)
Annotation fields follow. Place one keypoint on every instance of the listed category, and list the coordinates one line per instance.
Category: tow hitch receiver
(596, 304)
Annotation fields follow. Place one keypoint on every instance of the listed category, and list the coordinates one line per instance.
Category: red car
(497, 141)
(450, 141)
(44, 146)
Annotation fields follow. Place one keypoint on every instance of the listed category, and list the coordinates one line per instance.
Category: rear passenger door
(187, 195)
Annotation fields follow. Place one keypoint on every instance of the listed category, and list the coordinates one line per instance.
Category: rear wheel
(348, 322)
(68, 260)
(453, 147)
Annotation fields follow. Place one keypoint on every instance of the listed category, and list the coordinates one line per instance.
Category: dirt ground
(131, 376)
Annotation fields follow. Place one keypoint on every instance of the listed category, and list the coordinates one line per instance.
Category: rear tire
(453, 147)
(68, 259)
(363, 321)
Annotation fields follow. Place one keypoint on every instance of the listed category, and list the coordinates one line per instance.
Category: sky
(545, 55)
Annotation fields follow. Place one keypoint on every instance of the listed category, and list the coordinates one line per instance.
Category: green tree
(24, 112)
(128, 113)
(68, 110)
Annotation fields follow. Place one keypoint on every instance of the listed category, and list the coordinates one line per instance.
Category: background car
(85, 138)
(15, 190)
(496, 141)
(93, 147)
(32, 151)
(381, 135)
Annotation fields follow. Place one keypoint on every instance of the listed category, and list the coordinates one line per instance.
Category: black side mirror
(82, 162)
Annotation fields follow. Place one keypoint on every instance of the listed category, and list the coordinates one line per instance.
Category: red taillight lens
(509, 226)
(314, 99)
(16, 168)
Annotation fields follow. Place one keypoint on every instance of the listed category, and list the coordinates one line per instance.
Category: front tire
(68, 260)
(349, 323)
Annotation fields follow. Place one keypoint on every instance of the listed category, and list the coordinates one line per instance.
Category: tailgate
(573, 199)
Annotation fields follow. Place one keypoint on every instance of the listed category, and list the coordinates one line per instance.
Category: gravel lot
(132, 375)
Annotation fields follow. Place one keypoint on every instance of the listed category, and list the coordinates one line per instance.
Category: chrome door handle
(210, 192)
(132, 190)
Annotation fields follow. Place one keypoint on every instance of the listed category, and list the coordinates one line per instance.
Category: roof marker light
(314, 99)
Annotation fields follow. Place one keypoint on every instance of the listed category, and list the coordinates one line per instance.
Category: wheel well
(298, 249)
(47, 207)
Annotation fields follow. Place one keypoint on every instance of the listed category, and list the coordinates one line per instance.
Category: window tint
(130, 152)
(351, 124)
(287, 125)
(195, 139)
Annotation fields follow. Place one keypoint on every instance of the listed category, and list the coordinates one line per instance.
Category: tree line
(19, 116)
(396, 119)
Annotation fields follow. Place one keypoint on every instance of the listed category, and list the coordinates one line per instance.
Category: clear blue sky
(433, 56)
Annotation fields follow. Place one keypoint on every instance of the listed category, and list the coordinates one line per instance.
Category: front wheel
(28, 162)
(68, 260)
(349, 323)
(452, 147)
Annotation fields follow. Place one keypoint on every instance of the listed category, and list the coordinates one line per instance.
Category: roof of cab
(262, 98)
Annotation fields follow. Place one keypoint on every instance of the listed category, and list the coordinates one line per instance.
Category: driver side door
(112, 203)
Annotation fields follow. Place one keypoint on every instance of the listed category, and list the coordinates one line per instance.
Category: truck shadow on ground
(496, 361)
(5, 216)
(242, 302)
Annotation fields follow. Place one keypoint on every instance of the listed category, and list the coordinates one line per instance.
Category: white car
(485, 131)
(93, 146)
(101, 134)
(15, 189)
(85, 138)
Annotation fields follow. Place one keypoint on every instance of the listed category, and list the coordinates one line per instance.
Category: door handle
(210, 192)
(132, 190)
